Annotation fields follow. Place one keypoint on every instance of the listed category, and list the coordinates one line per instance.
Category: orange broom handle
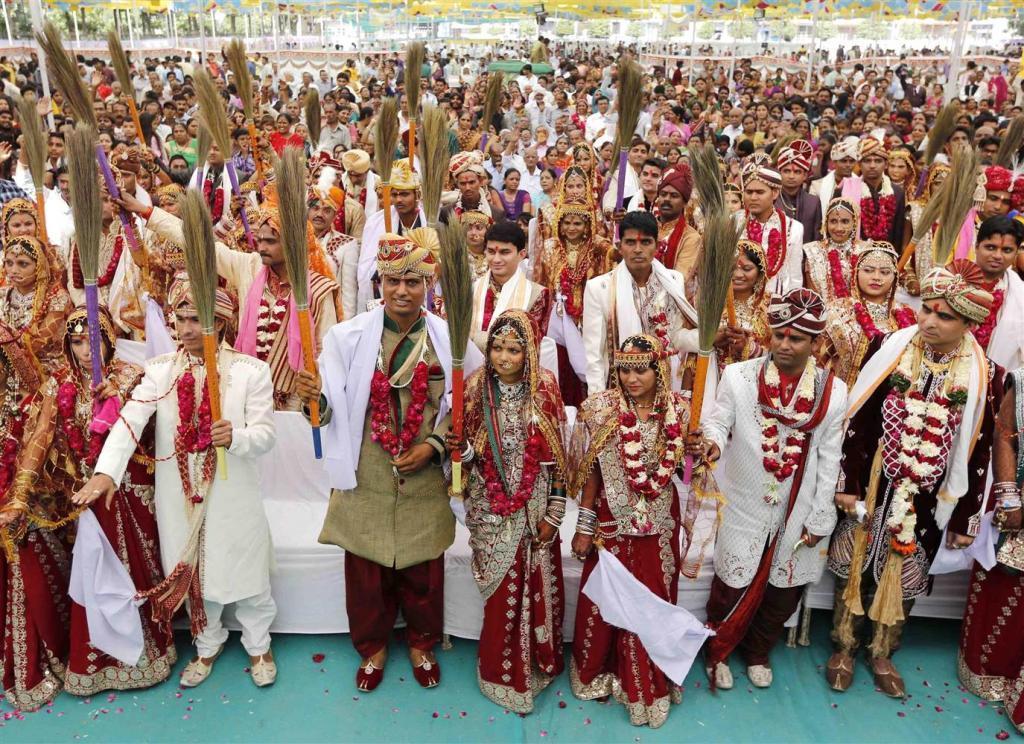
(905, 257)
(254, 146)
(135, 119)
(730, 308)
(213, 385)
(306, 336)
(41, 210)
(412, 144)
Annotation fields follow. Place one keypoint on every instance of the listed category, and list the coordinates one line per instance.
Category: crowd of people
(860, 415)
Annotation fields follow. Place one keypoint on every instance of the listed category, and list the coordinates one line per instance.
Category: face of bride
(839, 225)
(875, 277)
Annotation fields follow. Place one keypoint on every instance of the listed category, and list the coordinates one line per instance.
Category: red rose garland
(85, 448)
(217, 210)
(565, 286)
(380, 411)
(876, 217)
(108, 274)
(835, 267)
(268, 323)
(775, 253)
(194, 433)
(502, 503)
(983, 333)
(782, 464)
(905, 317)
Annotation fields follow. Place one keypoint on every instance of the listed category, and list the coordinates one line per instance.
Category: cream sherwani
(237, 551)
(610, 298)
(749, 521)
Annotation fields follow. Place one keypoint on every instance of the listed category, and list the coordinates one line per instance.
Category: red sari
(129, 524)
(606, 660)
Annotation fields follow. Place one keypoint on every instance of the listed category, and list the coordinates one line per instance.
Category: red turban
(680, 178)
(800, 309)
(799, 153)
(997, 178)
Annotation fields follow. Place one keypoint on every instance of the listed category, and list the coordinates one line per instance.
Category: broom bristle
(457, 286)
(714, 274)
(945, 123)
(1011, 142)
(628, 100)
(781, 145)
(291, 202)
(414, 54)
(960, 187)
(202, 146)
(34, 138)
(492, 99)
(86, 203)
(119, 60)
(435, 161)
(212, 115)
(239, 66)
(313, 117)
(933, 209)
(66, 79)
(385, 139)
(200, 255)
(707, 178)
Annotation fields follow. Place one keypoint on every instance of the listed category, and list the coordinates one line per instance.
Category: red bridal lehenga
(516, 432)
(991, 658)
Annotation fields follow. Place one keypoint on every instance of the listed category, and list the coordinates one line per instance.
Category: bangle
(147, 214)
(554, 522)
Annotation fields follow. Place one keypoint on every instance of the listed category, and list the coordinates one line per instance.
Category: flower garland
(659, 328)
(85, 448)
(631, 451)
(569, 280)
(380, 410)
(919, 455)
(782, 461)
(15, 426)
(565, 286)
(775, 251)
(268, 323)
(502, 503)
(217, 209)
(983, 332)
(876, 216)
(108, 274)
(194, 433)
(835, 266)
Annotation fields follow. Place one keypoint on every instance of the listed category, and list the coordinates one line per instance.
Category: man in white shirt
(526, 77)
(735, 126)
(602, 123)
(334, 132)
(540, 114)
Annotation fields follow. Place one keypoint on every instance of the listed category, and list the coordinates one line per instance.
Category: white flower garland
(782, 467)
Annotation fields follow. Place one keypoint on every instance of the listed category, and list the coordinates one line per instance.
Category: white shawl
(346, 365)
(877, 371)
(1006, 348)
(515, 294)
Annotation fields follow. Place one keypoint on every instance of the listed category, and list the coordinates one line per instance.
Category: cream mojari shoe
(722, 676)
(263, 672)
(196, 672)
(760, 675)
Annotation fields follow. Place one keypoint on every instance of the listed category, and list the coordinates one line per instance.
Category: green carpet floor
(315, 700)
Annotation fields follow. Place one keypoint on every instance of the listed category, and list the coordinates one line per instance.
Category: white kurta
(1006, 347)
(749, 522)
(237, 553)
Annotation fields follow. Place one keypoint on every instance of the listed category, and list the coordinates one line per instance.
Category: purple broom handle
(115, 193)
(619, 196)
(92, 311)
(245, 220)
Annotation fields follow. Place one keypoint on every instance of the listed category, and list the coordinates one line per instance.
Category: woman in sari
(855, 321)
(828, 262)
(627, 443)
(129, 521)
(514, 506)
(585, 156)
(468, 138)
(903, 170)
(923, 261)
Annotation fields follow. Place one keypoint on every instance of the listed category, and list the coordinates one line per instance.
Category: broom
(119, 60)
(942, 128)
(213, 118)
(414, 54)
(628, 102)
(492, 99)
(291, 201)
(714, 277)
(312, 112)
(87, 215)
(457, 286)
(239, 65)
(1011, 142)
(956, 207)
(385, 140)
(201, 264)
(434, 158)
(929, 215)
(707, 180)
(34, 143)
(66, 79)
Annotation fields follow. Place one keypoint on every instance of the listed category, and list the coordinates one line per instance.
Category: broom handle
(696, 401)
(254, 146)
(134, 111)
(115, 193)
(412, 142)
(905, 257)
(386, 196)
(92, 311)
(457, 409)
(730, 308)
(306, 334)
(620, 192)
(233, 176)
(41, 209)
(483, 141)
(213, 385)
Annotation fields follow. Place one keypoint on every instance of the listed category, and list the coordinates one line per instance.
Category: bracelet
(554, 522)
(586, 522)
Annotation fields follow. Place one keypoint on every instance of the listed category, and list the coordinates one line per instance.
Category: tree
(705, 31)
(784, 28)
(742, 29)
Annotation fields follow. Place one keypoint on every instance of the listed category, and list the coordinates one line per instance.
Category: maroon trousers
(769, 622)
(374, 594)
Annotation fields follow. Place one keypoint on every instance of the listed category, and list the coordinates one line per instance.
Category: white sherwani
(237, 551)
(617, 287)
(749, 522)
(1006, 347)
